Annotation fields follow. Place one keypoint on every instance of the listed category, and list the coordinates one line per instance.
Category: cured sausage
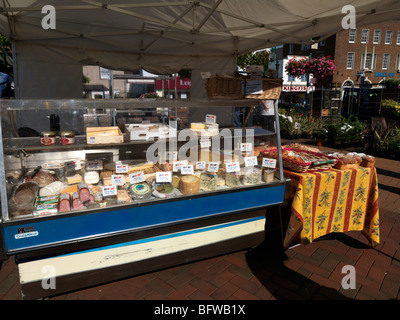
(77, 203)
(65, 202)
(84, 193)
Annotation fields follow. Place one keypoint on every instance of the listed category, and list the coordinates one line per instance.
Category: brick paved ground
(311, 272)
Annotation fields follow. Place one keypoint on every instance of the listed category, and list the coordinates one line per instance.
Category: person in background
(268, 115)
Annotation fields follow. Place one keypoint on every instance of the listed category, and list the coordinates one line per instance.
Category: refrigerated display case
(84, 201)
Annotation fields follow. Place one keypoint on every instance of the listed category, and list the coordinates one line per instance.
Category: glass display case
(83, 176)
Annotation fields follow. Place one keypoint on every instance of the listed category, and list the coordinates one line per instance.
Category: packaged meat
(54, 188)
(208, 181)
(65, 202)
(46, 199)
(189, 185)
(83, 191)
(46, 209)
(77, 203)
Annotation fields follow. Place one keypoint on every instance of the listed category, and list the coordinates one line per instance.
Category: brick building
(373, 50)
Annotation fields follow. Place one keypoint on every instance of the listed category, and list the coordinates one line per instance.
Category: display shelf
(11, 145)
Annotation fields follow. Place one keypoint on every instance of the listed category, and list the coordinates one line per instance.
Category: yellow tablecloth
(332, 201)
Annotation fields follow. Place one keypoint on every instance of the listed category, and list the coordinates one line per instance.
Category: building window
(377, 36)
(352, 35)
(388, 37)
(364, 36)
(386, 60)
(305, 47)
(368, 62)
(350, 60)
(303, 78)
(398, 37)
(290, 78)
(104, 74)
(398, 62)
(291, 48)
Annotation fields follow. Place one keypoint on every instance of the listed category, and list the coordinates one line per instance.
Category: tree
(6, 61)
(253, 58)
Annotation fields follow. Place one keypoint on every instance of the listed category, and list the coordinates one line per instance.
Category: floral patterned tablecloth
(332, 201)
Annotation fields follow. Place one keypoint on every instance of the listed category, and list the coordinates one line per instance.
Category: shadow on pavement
(267, 264)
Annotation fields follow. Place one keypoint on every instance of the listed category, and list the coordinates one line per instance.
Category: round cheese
(140, 191)
(92, 177)
(189, 184)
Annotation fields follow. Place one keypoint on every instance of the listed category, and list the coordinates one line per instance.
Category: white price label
(213, 166)
(269, 163)
(94, 165)
(136, 177)
(210, 118)
(233, 167)
(164, 176)
(172, 155)
(205, 143)
(69, 165)
(250, 161)
(109, 191)
(91, 140)
(121, 168)
(187, 169)
(246, 147)
(177, 165)
(117, 179)
(200, 165)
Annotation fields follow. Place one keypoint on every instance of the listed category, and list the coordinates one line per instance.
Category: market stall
(92, 223)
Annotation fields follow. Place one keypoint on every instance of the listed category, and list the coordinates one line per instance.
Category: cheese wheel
(190, 184)
(92, 177)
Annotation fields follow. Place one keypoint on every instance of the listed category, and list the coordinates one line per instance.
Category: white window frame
(364, 34)
(398, 62)
(364, 61)
(379, 36)
(104, 73)
(388, 40)
(352, 54)
(398, 38)
(352, 34)
(386, 58)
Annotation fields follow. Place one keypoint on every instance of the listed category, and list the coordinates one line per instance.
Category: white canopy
(161, 36)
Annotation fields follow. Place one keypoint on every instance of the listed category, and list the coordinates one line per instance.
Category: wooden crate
(104, 135)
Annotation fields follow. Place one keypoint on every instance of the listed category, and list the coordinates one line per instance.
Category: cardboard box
(104, 135)
(149, 131)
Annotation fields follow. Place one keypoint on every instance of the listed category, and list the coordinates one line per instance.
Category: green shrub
(391, 108)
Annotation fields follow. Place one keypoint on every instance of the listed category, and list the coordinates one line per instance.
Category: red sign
(181, 84)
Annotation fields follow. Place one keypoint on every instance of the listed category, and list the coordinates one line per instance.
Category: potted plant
(321, 136)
